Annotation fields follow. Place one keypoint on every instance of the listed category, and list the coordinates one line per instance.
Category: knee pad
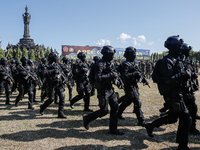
(62, 96)
(137, 104)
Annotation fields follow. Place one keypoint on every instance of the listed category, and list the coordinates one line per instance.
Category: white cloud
(141, 38)
(123, 37)
(102, 42)
(151, 43)
(135, 41)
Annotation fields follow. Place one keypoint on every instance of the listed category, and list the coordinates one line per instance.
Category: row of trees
(193, 55)
(17, 53)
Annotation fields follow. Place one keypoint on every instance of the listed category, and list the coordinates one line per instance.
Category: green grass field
(21, 128)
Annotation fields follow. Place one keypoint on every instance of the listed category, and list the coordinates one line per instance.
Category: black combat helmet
(30, 62)
(44, 60)
(4, 61)
(108, 53)
(17, 62)
(186, 49)
(12, 61)
(96, 58)
(24, 60)
(174, 44)
(130, 53)
(81, 56)
(52, 57)
(65, 59)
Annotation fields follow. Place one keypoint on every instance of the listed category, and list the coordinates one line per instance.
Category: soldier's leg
(20, 95)
(14, 86)
(103, 104)
(113, 102)
(34, 94)
(80, 90)
(87, 98)
(92, 89)
(192, 108)
(30, 97)
(69, 86)
(8, 92)
(183, 128)
(121, 99)
(125, 103)
(138, 111)
(56, 97)
(61, 95)
(48, 101)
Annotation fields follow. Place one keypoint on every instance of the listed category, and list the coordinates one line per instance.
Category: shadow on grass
(174, 148)
(136, 139)
(92, 147)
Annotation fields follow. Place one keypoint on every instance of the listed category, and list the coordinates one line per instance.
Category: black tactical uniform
(105, 92)
(66, 67)
(25, 82)
(5, 79)
(80, 74)
(188, 89)
(169, 87)
(92, 75)
(16, 76)
(13, 70)
(41, 68)
(33, 82)
(56, 83)
(131, 75)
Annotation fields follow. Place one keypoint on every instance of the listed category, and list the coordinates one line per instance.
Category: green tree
(31, 54)
(9, 54)
(2, 53)
(18, 54)
(48, 51)
(25, 52)
(39, 54)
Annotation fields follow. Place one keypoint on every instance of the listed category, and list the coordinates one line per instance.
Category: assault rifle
(117, 80)
(30, 75)
(8, 75)
(61, 73)
(142, 78)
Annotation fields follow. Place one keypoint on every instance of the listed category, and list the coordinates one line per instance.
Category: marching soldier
(105, 76)
(56, 83)
(80, 75)
(5, 79)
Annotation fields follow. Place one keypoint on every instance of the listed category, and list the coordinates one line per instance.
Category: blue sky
(143, 24)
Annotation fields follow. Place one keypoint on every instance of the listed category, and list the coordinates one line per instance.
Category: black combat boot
(17, 101)
(87, 103)
(86, 123)
(122, 107)
(61, 109)
(8, 101)
(30, 102)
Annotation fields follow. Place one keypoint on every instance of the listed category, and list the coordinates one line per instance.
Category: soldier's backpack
(156, 75)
